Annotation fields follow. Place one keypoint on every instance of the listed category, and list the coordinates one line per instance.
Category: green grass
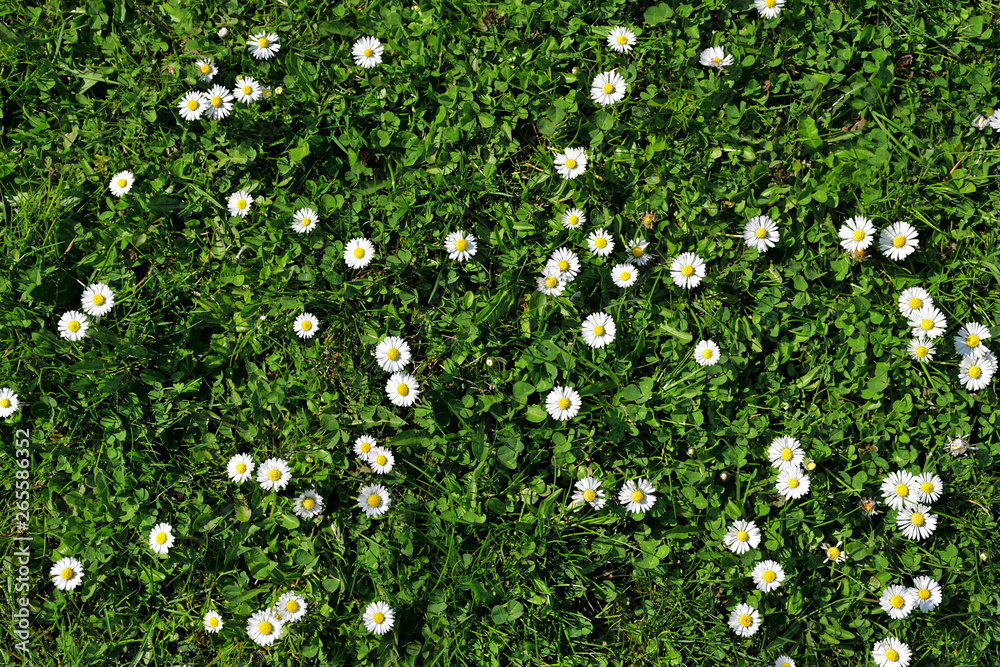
(830, 111)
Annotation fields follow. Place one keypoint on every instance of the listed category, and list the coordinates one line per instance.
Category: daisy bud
(723, 477)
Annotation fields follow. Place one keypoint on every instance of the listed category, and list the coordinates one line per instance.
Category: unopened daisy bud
(690, 451)
(279, 90)
(723, 477)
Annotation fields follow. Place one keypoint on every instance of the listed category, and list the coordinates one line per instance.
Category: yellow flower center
(972, 340)
(192, 104)
(374, 500)
(308, 504)
(306, 325)
(833, 553)
(563, 403)
(461, 245)
(974, 372)
(769, 4)
(98, 300)
(291, 606)
(263, 43)
(369, 53)
(622, 39)
(161, 538)
(216, 101)
(896, 601)
(213, 622)
(600, 242)
(902, 490)
(264, 628)
(274, 474)
(359, 253)
(746, 620)
(306, 222)
(241, 468)
(784, 664)
(571, 164)
(916, 303)
(589, 495)
(926, 324)
(898, 241)
(241, 204)
(927, 487)
(378, 617)
(608, 89)
(73, 326)
(760, 232)
(706, 353)
(858, 235)
(921, 351)
(206, 68)
(573, 220)
(637, 251)
(923, 594)
(381, 459)
(716, 60)
(917, 519)
(742, 536)
(67, 573)
(403, 389)
(793, 483)
(365, 447)
(687, 270)
(4, 402)
(563, 265)
(624, 276)
(598, 330)
(787, 454)
(637, 496)
(891, 655)
(247, 90)
(122, 182)
(551, 282)
(768, 576)
(393, 354)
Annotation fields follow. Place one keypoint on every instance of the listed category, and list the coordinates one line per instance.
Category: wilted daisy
(928, 322)
(73, 325)
(868, 505)
(8, 402)
(742, 536)
(358, 253)
(402, 389)
(898, 241)
(624, 275)
(588, 490)
(246, 90)
(899, 489)
(808, 464)
(460, 246)
(637, 250)
(928, 593)
(306, 325)
(274, 474)
(706, 353)
(66, 573)
(121, 183)
(608, 88)
(715, 57)
(958, 446)
(264, 628)
(970, 338)
(856, 234)
(687, 270)
(637, 496)
(785, 451)
(212, 621)
(834, 554)
(263, 45)
(292, 607)
(916, 521)
(192, 105)
(768, 575)
(891, 652)
(600, 243)
(308, 504)
(381, 460)
(784, 661)
(929, 487)
(567, 262)
(976, 371)
(760, 233)
(367, 52)
(220, 103)
(206, 70)
(573, 218)
(305, 220)
(913, 299)
(240, 203)
(921, 349)
(981, 123)
(98, 300)
(161, 538)
(792, 484)
(563, 403)
(768, 8)
(745, 621)
(363, 446)
(598, 329)
(552, 282)
(374, 500)
(378, 617)
(392, 354)
(571, 163)
(240, 468)
(897, 601)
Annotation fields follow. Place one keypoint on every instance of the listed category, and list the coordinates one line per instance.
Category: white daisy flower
(392, 354)
(900, 489)
(768, 8)
(374, 500)
(308, 505)
(378, 617)
(240, 203)
(621, 39)
(994, 119)
(264, 628)
(897, 601)
(608, 88)
(460, 246)
(305, 220)
(240, 468)
(66, 573)
(745, 621)
(192, 105)
(98, 300)
(970, 338)
(563, 403)
(121, 183)
(73, 325)
(891, 652)
(898, 241)
(916, 521)
(359, 252)
(552, 282)
(161, 538)
(976, 371)
(588, 490)
(573, 219)
(760, 233)
(856, 234)
(913, 299)
(981, 123)
(742, 536)
(381, 460)
(706, 353)
(263, 45)
(402, 389)
(247, 89)
(784, 661)
(929, 487)
(206, 70)
(8, 402)
(637, 250)
(927, 592)
(928, 322)
(220, 103)
(274, 474)
(785, 451)
(367, 52)
(624, 275)
(687, 270)
(834, 554)
(571, 163)
(715, 56)
(306, 325)
(567, 262)
(363, 446)
(212, 621)
(600, 243)
(637, 496)
(292, 607)
(598, 329)
(768, 575)
(792, 484)
(921, 349)
(958, 446)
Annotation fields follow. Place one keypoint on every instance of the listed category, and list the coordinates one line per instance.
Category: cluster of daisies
(897, 241)
(635, 495)
(97, 301)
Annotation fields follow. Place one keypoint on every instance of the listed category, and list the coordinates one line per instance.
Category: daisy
(192, 106)
(374, 500)
(834, 553)
(785, 451)
(247, 89)
(223, 31)
(121, 183)
(304, 220)
(706, 353)
(760, 233)
(687, 270)
(621, 39)
(367, 52)
(637, 496)
(921, 349)
(916, 521)
(212, 621)
(742, 537)
(958, 446)
(856, 234)
(891, 652)
(206, 70)
(784, 660)
(927, 592)
(8, 402)
(402, 389)
(897, 601)
(588, 491)
(378, 617)
(567, 262)
(240, 468)
(624, 275)
(571, 163)
(460, 246)
(308, 504)
(868, 505)
(363, 446)
(73, 325)
(637, 248)
(929, 487)
(608, 88)
(67, 573)
(98, 300)
(598, 329)
(552, 282)
(263, 45)
(981, 123)
(381, 460)
(976, 371)
(715, 57)
(292, 607)
(274, 474)
(745, 621)
(792, 484)
(573, 219)
(220, 103)
(392, 354)
(359, 253)
(600, 243)
(898, 241)
(899, 489)
(768, 575)
(994, 120)
(928, 322)
(808, 464)
(264, 628)
(769, 9)
(306, 325)
(239, 203)
(913, 299)
(562, 403)
(161, 538)
(970, 338)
